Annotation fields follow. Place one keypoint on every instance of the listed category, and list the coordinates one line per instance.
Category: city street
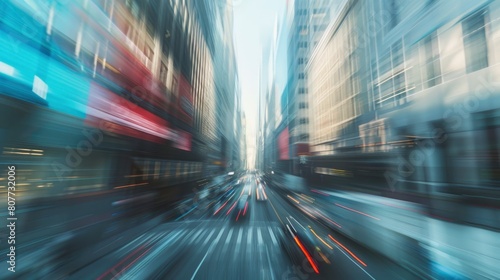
(212, 244)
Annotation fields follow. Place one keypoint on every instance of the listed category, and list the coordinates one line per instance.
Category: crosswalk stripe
(200, 231)
(208, 238)
(140, 239)
(259, 236)
(160, 236)
(249, 236)
(272, 236)
(239, 236)
(219, 236)
(229, 236)
(188, 238)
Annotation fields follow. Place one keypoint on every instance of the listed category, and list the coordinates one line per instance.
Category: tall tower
(309, 18)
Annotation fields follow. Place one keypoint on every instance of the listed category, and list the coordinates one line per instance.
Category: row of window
(301, 12)
(392, 91)
(301, 60)
(319, 11)
(319, 27)
(302, 44)
(156, 169)
(304, 137)
(303, 91)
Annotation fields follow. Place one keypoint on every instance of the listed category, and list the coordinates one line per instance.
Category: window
(134, 7)
(301, 61)
(301, 76)
(476, 51)
(151, 19)
(174, 86)
(304, 137)
(304, 121)
(302, 105)
(301, 12)
(149, 54)
(433, 67)
(319, 27)
(397, 54)
(394, 11)
(302, 90)
(163, 73)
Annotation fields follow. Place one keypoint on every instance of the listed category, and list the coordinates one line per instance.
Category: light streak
(356, 211)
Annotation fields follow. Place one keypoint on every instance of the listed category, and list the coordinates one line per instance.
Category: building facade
(216, 22)
(306, 21)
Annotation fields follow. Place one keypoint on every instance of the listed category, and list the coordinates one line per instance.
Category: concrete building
(265, 84)
(338, 94)
(307, 21)
(216, 21)
(376, 57)
(388, 76)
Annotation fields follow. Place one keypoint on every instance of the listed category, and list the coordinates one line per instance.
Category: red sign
(283, 145)
(116, 114)
(183, 141)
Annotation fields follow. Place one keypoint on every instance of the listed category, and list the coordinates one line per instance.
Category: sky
(253, 23)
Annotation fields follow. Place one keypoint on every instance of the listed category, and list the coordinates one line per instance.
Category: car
(240, 212)
(260, 192)
(300, 245)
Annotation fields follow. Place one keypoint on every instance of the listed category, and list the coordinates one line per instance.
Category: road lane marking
(291, 224)
(298, 223)
(347, 250)
(270, 264)
(202, 260)
(229, 236)
(271, 233)
(354, 262)
(275, 212)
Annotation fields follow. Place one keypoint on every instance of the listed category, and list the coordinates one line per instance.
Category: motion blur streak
(295, 200)
(246, 206)
(131, 185)
(329, 220)
(320, 192)
(135, 252)
(306, 253)
(359, 212)
(217, 211)
(347, 250)
(232, 207)
(128, 127)
(320, 239)
(264, 193)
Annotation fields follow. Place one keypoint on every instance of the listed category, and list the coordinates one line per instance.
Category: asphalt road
(212, 241)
